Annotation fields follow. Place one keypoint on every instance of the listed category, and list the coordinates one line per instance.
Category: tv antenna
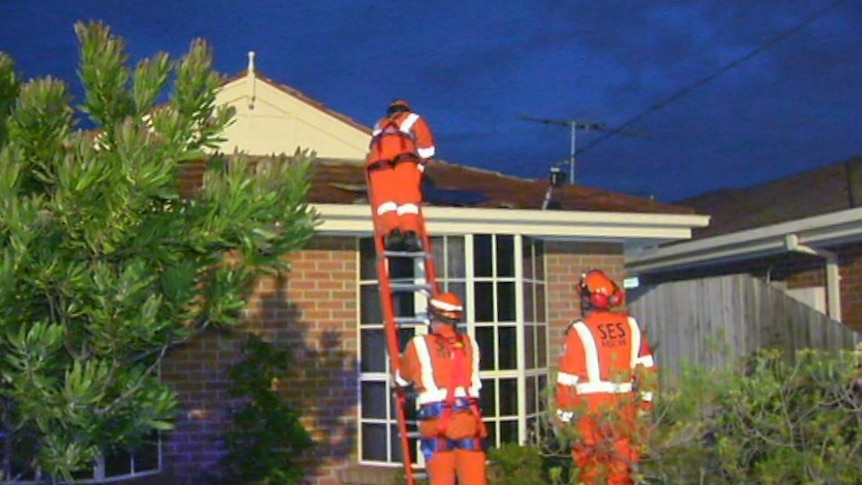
(574, 126)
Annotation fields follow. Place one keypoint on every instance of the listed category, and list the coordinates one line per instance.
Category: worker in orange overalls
(604, 383)
(443, 368)
(401, 145)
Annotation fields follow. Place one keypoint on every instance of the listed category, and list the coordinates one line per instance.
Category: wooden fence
(712, 322)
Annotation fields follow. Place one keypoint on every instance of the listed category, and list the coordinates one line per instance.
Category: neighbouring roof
(814, 192)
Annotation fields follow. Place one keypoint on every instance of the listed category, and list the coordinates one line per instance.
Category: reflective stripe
(646, 396)
(386, 207)
(426, 152)
(604, 387)
(400, 380)
(437, 395)
(635, 332)
(565, 416)
(376, 130)
(567, 379)
(407, 125)
(476, 383)
(407, 209)
(427, 371)
(444, 306)
(592, 353)
(646, 361)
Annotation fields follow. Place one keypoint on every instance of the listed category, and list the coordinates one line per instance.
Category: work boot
(393, 241)
(412, 243)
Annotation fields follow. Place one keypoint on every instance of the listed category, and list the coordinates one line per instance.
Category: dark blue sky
(472, 67)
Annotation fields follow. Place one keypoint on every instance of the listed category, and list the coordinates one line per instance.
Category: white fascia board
(575, 225)
(828, 229)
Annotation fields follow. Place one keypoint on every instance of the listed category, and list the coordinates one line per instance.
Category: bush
(773, 419)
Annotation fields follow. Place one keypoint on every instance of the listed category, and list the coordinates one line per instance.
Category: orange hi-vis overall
(444, 367)
(400, 147)
(602, 384)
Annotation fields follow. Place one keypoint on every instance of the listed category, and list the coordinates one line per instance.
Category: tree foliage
(103, 265)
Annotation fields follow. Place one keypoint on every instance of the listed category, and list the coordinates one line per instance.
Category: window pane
(404, 336)
(540, 260)
(529, 308)
(543, 393)
(147, 456)
(369, 311)
(459, 289)
(529, 347)
(542, 345)
(531, 395)
(456, 261)
(491, 440)
(483, 292)
(487, 397)
(540, 303)
(374, 442)
(506, 302)
(507, 348)
(508, 431)
(439, 257)
(508, 397)
(482, 260)
(401, 267)
(485, 341)
(118, 462)
(373, 351)
(527, 258)
(505, 256)
(373, 400)
(404, 304)
(367, 259)
(397, 450)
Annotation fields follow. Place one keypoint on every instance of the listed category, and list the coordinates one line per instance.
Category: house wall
(796, 271)
(271, 121)
(565, 262)
(314, 310)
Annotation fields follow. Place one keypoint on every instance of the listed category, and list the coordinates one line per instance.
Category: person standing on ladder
(402, 143)
(443, 368)
(604, 384)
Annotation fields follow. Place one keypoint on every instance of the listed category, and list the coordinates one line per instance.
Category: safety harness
(391, 128)
(444, 410)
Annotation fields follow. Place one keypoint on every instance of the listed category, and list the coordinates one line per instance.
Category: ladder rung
(405, 286)
(411, 320)
(420, 475)
(413, 435)
(405, 254)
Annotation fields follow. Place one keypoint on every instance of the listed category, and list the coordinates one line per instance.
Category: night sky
(473, 67)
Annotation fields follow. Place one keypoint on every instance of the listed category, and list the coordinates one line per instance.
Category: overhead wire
(700, 83)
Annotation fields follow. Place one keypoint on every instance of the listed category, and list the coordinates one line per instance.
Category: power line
(682, 92)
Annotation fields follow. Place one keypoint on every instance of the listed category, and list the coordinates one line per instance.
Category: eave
(816, 232)
(566, 225)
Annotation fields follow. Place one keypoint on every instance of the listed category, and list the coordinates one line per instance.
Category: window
(114, 466)
(502, 280)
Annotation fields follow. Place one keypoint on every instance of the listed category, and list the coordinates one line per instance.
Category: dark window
(506, 302)
(482, 256)
(505, 256)
(483, 293)
(507, 348)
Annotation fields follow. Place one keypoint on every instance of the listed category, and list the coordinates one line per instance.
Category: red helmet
(398, 106)
(598, 291)
(446, 308)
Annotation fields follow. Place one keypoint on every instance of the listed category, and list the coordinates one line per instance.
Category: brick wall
(313, 309)
(565, 262)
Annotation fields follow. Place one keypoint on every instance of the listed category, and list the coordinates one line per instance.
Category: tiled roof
(806, 194)
(343, 182)
(305, 99)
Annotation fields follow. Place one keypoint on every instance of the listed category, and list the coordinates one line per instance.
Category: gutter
(560, 225)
